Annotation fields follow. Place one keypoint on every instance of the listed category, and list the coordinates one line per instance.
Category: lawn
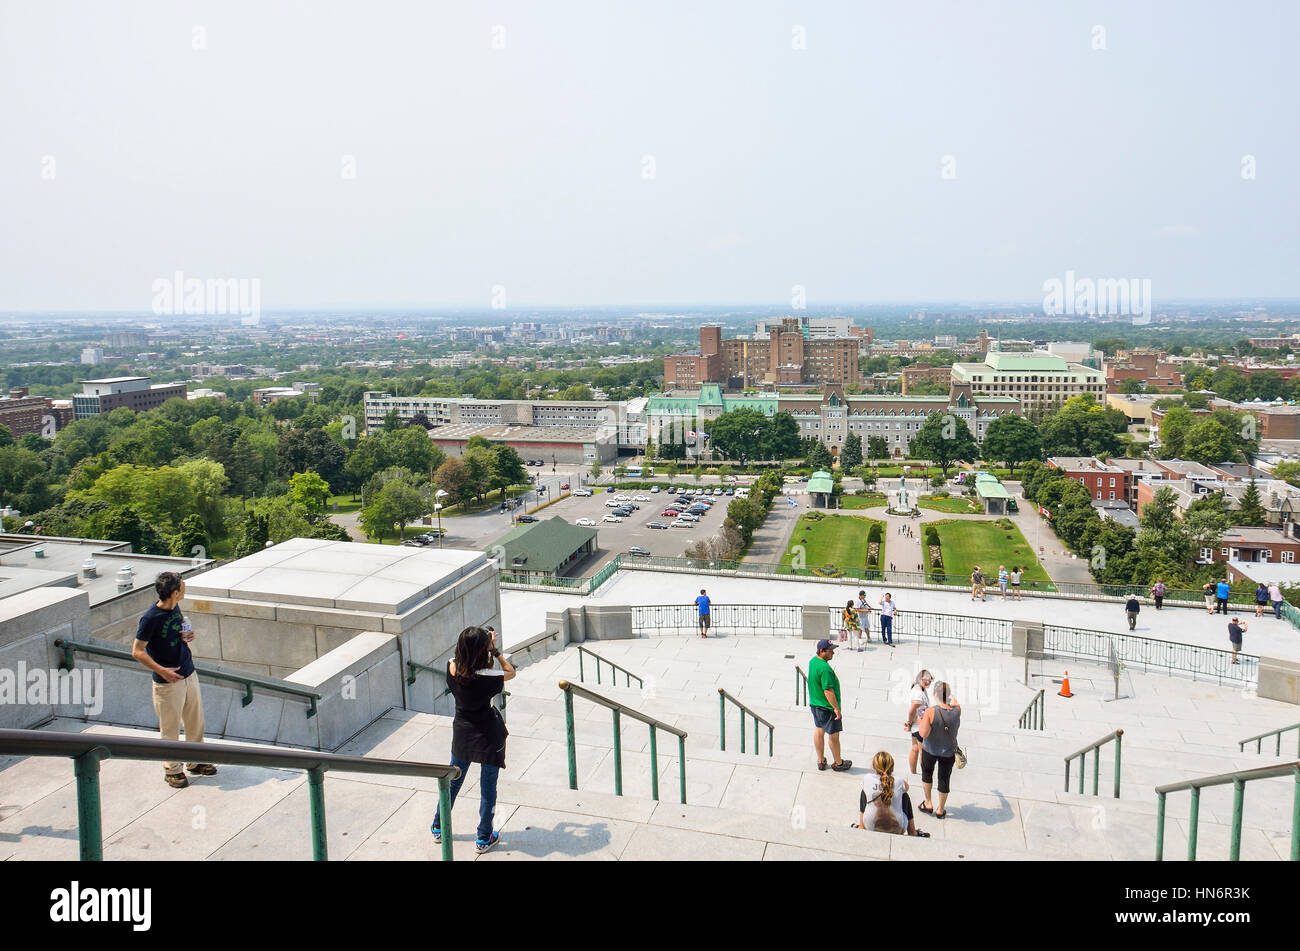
(953, 506)
(834, 540)
(873, 501)
(345, 502)
(966, 544)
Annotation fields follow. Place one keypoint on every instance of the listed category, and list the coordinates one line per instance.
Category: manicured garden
(872, 500)
(843, 541)
(953, 505)
(969, 542)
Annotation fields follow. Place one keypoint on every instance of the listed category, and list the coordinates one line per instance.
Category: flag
(692, 433)
(792, 501)
(1043, 512)
(704, 435)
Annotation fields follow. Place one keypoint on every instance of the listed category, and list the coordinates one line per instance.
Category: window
(1288, 557)
(1266, 554)
(1207, 554)
(1112, 495)
(1224, 552)
(1112, 484)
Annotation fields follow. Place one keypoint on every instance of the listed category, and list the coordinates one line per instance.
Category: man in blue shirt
(162, 645)
(1221, 592)
(702, 603)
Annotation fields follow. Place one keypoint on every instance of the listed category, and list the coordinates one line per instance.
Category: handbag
(958, 753)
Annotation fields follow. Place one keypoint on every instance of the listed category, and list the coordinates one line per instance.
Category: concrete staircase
(1009, 804)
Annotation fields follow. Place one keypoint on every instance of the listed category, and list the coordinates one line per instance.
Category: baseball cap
(825, 645)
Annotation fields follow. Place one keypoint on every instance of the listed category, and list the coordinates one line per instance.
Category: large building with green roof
(545, 549)
(1038, 380)
(830, 415)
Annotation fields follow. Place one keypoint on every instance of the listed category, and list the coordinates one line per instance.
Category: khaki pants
(177, 704)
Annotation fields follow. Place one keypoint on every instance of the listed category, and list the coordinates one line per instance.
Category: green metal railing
(614, 672)
(413, 669)
(800, 687)
(1033, 717)
(1095, 750)
(1259, 740)
(247, 681)
(723, 697)
(618, 710)
(1238, 780)
(86, 751)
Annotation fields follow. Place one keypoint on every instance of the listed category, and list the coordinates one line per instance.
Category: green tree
(192, 539)
(877, 447)
(1173, 431)
(310, 491)
(781, 440)
(578, 392)
(851, 454)
(944, 439)
(507, 468)
(1251, 511)
(1012, 440)
(403, 503)
(254, 536)
(452, 478)
(596, 470)
(1209, 441)
(740, 434)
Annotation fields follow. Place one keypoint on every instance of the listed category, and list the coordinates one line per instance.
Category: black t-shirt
(478, 733)
(1234, 632)
(1133, 605)
(161, 632)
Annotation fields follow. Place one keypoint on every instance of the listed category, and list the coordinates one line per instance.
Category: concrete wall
(30, 622)
(1279, 680)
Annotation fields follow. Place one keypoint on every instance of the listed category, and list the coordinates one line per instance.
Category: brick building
(1104, 482)
(787, 356)
(910, 376)
(136, 393)
(1151, 367)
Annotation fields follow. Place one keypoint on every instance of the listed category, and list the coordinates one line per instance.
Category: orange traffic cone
(1065, 686)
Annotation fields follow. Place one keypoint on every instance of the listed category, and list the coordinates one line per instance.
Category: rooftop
(543, 546)
(60, 563)
(496, 432)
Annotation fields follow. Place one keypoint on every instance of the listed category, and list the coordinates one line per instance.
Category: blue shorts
(824, 719)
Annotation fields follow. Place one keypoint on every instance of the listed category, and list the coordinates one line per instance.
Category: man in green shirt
(824, 701)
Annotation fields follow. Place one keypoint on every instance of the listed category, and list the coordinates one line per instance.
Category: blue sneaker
(480, 846)
(437, 834)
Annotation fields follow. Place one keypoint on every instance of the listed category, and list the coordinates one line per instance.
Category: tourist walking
(1261, 599)
(1208, 591)
(1131, 608)
(939, 728)
(1221, 592)
(1236, 628)
(824, 701)
(702, 605)
(1158, 592)
(887, 610)
(1003, 577)
(476, 674)
(893, 805)
(1275, 595)
(918, 703)
(864, 614)
(849, 627)
(1015, 583)
(977, 585)
(162, 641)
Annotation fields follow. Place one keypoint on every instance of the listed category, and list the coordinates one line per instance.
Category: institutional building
(789, 354)
(830, 415)
(1151, 367)
(136, 393)
(23, 414)
(1039, 381)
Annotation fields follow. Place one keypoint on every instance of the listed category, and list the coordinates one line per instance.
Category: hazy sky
(129, 154)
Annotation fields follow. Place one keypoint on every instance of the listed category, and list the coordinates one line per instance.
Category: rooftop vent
(89, 569)
(125, 578)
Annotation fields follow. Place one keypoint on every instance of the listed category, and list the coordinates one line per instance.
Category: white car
(582, 492)
(622, 498)
(682, 523)
(687, 516)
(613, 504)
(611, 518)
(640, 498)
(718, 490)
(654, 488)
(585, 521)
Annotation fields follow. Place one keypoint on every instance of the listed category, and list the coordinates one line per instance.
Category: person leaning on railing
(478, 732)
(162, 645)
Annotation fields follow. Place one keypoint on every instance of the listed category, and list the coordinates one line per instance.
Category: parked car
(613, 504)
(434, 534)
(638, 550)
(526, 518)
(656, 524)
(416, 542)
(681, 523)
(654, 489)
(689, 517)
(585, 493)
(612, 518)
(670, 513)
(565, 485)
(718, 490)
(730, 490)
(622, 498)
(585, 521)
(640, 498)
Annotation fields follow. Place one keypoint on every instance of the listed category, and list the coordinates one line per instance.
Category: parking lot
(615, 538)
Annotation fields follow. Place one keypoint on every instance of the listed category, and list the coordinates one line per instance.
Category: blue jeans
(1277, 610)
(487, 805)
(886, 629)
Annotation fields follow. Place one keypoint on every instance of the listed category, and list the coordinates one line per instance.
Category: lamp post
(437, 510)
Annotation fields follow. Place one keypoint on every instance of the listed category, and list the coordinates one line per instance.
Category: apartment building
(788, 355)
(1151, 367)
(1105, 482)
(136, 393)
(910, 376)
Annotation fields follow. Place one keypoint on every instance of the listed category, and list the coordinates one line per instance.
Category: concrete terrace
(524, 612)
(1008, 804)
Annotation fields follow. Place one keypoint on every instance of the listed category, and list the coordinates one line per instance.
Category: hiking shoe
(437, 835)
(480, 846)
(203, 769)
(822, 764)
(176, 780)
(842, 767)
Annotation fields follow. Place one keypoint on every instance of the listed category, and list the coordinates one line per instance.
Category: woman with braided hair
(892, 810)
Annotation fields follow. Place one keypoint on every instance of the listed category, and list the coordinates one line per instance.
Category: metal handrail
(602, 660)
(531, 642)
(1033, 718)
(86, 750)
(800, 687)
(1095, 749)
(1259, 740)
(413, 668)
(723, 697)
(618, 709)
(247, 681)
(1238, 780)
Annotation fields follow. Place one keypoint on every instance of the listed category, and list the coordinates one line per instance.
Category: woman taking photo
(938, 729)
(478, 733)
